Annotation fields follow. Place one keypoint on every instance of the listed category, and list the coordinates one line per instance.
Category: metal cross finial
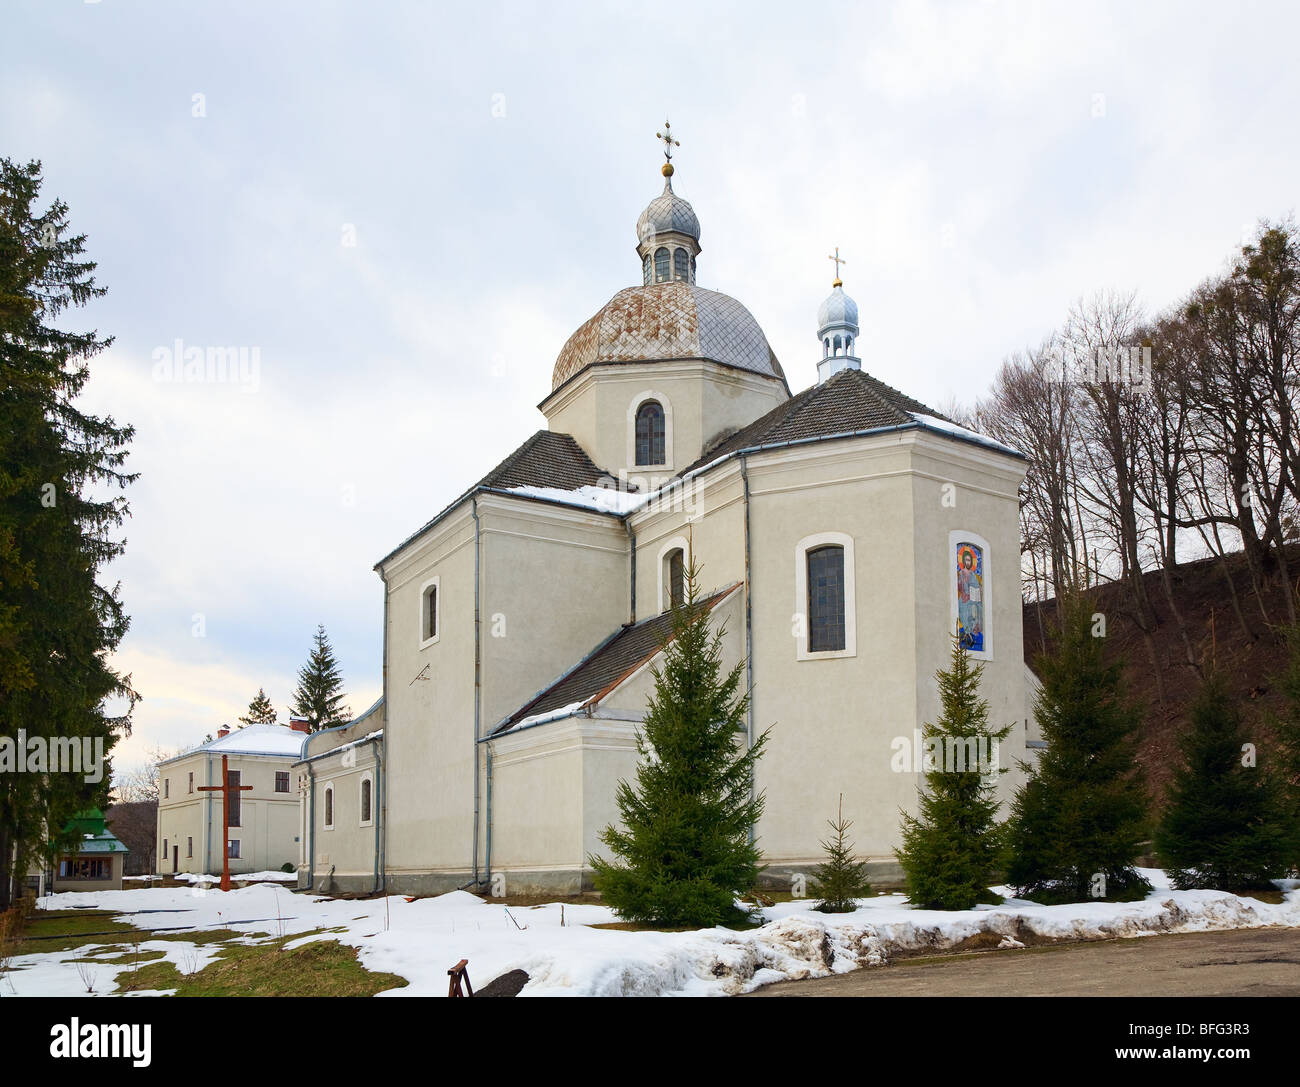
(669, 143)
(838, 261)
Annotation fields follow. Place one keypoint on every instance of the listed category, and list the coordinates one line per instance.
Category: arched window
(826, 348)
(681, 264)
(329, 807)
(826, 599)
(431, 612)
(647, 270)
(650, 431)
(661, 264)
(366, 788)
(837, 345)
(676, 579)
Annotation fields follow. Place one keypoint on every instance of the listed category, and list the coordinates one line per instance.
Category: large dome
(663, 321)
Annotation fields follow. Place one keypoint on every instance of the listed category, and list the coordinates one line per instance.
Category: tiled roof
(850, 401)
(607, 665)
(664, 321)
(547, 459)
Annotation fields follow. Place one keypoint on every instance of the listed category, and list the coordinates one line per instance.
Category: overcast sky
(981, 166)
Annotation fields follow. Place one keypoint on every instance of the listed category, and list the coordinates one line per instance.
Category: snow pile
(235, 877)
(564, 954)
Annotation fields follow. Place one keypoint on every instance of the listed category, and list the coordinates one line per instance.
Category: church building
(842, 534)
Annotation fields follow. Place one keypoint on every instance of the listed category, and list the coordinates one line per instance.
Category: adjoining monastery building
(264, 822)
(842, 534)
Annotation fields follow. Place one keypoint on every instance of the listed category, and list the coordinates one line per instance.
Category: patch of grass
(207, 936)
(114, 955)
(68, 929)
(320, 968)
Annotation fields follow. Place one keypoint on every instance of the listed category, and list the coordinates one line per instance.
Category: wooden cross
(838, 261)
(225, 789)
(669, 143)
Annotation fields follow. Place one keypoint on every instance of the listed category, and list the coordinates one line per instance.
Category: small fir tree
(1078, 823)
(685, 851)
(1223, 827)
(840, 879)
(950, 850)
(260, 710)
(319, 696)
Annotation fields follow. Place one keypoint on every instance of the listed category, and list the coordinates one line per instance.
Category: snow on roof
(604, 499)
(255, 740)
(943, 426)
(541, 718)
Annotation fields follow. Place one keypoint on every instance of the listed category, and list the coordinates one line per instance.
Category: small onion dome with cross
(668, 231)
(837, 328)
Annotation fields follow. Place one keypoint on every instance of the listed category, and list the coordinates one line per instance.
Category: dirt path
(1242, 962)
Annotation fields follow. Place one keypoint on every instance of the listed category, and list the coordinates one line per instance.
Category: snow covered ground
(419, 940)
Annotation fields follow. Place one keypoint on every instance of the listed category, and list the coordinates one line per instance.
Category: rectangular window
(164, 852)
(191, 781)
(189, 847)
(167, 788)
(282, 781)
(826, 599)
(234, 798)
(232, 849)
(89, 868)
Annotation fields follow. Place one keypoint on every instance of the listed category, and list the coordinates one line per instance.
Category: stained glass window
(970, 596)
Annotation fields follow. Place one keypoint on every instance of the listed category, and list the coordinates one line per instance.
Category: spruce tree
(684, 851)
(951, 848)
(260, 710)
(839, 879)
(319, 695)
(1223, 827)
(1078, 823)
(61, 477)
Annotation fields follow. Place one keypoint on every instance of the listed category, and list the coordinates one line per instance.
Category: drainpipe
(478, 675)
(376, 750)
(207, 816)
(631, 543)
(487, 863)
(381, 801)
(311, 827)
(749, 634)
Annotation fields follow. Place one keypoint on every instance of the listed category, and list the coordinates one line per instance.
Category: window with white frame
(430, 612)
(672, 572)
(367, 800)
(825, 614)
(969, 592)
(329, 807)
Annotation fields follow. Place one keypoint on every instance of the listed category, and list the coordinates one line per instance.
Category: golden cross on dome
(838, 261)
(669, 143)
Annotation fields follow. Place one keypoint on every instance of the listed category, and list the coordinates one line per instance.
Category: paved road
(1244, 962)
